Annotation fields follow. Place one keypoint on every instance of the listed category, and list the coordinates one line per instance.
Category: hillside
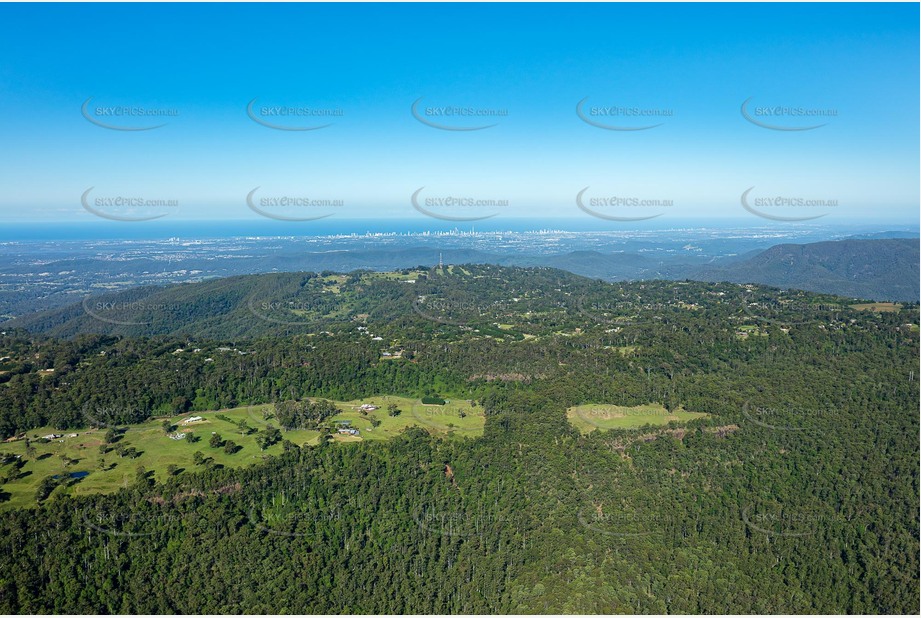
(645, 447)
(44, 280)
(482, 296)
(879, 269)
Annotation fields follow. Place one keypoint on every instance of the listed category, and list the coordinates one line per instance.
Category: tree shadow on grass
(70, 482)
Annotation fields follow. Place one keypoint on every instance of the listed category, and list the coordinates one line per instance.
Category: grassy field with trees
(589, 417)
(101, 460)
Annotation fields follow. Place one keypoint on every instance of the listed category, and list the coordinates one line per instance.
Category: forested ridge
(798, 493)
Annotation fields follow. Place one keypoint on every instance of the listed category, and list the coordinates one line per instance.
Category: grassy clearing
(588, 417)
(878, 307)
(456, 417)
(744, 331)
(157, 450)
(397, 276)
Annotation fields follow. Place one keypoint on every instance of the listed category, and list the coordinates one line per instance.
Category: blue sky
(695, 63)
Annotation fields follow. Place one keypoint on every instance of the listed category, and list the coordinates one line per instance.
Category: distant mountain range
(878, 269)
(877, 235)
(885, 269)
(873, 269)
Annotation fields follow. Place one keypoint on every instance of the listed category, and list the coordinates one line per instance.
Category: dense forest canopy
(797, 493)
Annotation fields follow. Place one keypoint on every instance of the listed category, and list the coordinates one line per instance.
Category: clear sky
(693, 65)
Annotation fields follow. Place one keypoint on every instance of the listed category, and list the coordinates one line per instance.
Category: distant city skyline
(608, 114)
